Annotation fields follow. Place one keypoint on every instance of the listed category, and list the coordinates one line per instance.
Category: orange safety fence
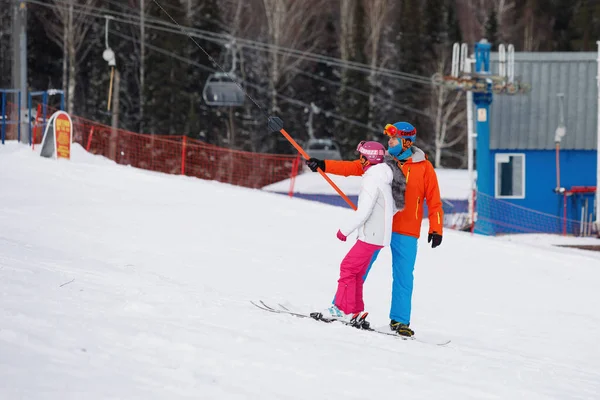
(179, 155)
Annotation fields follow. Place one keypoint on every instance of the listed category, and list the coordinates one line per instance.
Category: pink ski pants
(349, 295)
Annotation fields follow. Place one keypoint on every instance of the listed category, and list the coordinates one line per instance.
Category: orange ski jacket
(421, 186)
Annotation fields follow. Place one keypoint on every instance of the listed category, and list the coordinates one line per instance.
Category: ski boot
(359, 320)
(332, 313)
(401, 329)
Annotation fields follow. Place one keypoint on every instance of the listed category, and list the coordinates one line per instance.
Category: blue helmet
(401, 130)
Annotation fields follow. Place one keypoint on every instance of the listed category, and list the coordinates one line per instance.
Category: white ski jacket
(375, 209)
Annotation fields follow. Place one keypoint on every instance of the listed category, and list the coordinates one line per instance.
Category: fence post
(565, 213)
(472, 211)
(183, 145)
(89, 141)
(36, 125)
(294, 174)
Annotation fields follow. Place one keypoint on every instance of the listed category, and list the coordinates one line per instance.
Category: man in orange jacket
(421, 186)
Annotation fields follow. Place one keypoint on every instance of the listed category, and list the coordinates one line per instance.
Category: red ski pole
(276, 124)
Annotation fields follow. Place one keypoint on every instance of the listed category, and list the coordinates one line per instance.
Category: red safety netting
(178, 155)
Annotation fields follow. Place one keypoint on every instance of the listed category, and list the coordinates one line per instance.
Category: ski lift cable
(230, 76)
(255, 45)
(258, 88)
(223, 38)
(222, 42)
(331, 82)
(152, 23)
(128, 10)
(361, 92)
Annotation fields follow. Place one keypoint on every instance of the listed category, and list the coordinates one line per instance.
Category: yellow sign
(63, 132)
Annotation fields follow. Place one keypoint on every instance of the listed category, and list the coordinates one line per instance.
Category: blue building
(524, 169)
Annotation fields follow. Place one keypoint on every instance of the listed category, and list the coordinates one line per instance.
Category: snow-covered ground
(454, 184)
(126, 284)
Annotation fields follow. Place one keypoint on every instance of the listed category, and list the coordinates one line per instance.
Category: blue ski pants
(404, 255)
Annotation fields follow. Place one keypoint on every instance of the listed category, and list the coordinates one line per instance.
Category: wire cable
(258, 88)
(153, 23)
(233, 79)
(222, 40)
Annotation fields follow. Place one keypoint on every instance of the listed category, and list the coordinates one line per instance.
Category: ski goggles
(391, 131)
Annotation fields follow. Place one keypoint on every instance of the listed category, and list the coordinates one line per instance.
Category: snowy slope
(122, 283)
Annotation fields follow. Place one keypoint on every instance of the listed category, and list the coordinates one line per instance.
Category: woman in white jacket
(373, 222)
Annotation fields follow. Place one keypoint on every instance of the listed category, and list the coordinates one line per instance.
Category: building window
(510, 176)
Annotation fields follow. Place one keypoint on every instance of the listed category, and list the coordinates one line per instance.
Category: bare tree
(536, 25)
(5, 36)
(69, 32)
(504, 8)
(142, 72)
(346, 26)
(294, 25)
(139, 35)
(473, 14)
(450, 114)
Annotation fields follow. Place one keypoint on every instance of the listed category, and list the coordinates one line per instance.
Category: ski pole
(276, 124)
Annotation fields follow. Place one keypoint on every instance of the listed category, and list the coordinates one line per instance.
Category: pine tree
(584, 24)
(95, 72)
(174, 83)
(44, 57)
(5, 47)
(454, 33)
(322, 93)
(352, 105)
(199, 119)
(491, 28)
(411, 39)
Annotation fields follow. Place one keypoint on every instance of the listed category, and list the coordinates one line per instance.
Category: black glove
(314, 163)
(435, 239)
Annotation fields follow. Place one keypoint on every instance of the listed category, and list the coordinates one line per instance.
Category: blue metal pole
(62, 101)
(3, 116)
(44, 111)
(485, 178)
(45, 106)
(19, 118)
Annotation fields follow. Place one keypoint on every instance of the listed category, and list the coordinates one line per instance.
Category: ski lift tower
(482, 101)
(480, 86)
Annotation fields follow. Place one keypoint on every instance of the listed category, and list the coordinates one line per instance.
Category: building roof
(529, 121)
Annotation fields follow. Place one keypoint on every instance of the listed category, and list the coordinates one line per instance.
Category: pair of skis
(358, 322)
